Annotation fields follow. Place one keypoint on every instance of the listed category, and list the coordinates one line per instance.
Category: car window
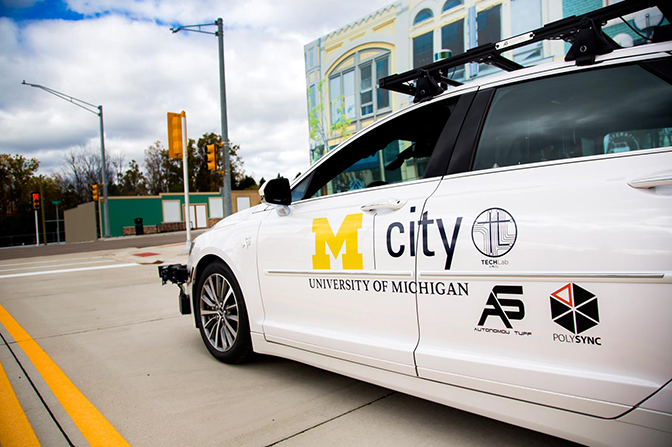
(601, 111)
(394, 152)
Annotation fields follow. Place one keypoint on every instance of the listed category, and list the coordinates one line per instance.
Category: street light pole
(96, 110)
(226, 190)
(228, 209)
(104, 174)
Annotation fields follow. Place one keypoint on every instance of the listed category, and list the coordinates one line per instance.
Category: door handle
(393, 204)
(651, 182)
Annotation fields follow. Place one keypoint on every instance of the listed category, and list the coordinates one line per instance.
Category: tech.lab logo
(494, 233)
(575, 309)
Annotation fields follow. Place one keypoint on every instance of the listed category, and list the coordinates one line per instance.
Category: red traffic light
(35, 196)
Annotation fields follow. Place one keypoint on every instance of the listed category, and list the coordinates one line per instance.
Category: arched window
(450, 4)
(423, 15)
(353, 86)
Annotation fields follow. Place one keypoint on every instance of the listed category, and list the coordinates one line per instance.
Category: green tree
(133, 182)
(318, 134)
(17, 178)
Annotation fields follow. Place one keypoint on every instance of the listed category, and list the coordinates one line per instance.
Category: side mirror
(276, 192)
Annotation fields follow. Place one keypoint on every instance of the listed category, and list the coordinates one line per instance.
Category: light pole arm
(71, 99)
(96, 110)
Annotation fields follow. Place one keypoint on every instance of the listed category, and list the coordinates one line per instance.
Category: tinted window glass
(576, 115)
(394, 152)
(423, 49)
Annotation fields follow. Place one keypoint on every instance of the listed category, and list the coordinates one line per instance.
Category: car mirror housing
(277, 192)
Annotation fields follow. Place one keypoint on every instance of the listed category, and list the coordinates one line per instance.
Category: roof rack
(584, 33)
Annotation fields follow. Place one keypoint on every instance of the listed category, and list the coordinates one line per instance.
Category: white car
(504, 247)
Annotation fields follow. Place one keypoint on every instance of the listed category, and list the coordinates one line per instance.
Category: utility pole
(226, 177)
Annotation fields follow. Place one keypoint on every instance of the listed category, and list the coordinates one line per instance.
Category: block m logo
(347, 234)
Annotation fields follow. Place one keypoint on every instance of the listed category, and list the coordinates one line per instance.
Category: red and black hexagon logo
(574, 308)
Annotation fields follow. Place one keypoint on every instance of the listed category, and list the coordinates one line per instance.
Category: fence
(29, 239)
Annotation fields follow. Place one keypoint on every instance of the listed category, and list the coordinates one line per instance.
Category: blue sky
(122, 55)
(46, 9)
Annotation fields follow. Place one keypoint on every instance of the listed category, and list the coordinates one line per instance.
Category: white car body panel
(303, 305)
(602, 223)
(568, 216)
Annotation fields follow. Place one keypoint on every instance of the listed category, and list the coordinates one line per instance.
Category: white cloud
(128, 60)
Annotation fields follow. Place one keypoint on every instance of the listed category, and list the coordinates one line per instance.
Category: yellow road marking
(15, 430)
(90, 422)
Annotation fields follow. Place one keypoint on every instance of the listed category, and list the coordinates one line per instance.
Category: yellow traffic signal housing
(212, 157)
(94, 190)
(175, 134)
(35, 196)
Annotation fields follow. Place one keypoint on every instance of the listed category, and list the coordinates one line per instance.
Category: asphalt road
(111, 361)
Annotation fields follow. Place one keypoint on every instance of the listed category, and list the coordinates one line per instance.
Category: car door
(325, 273)
(561, 267)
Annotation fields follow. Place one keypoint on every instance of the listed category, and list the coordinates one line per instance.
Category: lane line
(15, 429)
(81, 269)
(57, 261)
(91, 423)
(2, 270)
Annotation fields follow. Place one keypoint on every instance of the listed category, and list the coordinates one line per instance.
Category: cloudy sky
(122, 54)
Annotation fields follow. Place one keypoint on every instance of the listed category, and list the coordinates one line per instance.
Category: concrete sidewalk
(162, 254)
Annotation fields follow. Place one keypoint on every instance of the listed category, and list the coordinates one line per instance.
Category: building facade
(344, 66)
(168, 208)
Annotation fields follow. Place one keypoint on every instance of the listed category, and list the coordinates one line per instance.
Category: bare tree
(154, 160)
(81, 170)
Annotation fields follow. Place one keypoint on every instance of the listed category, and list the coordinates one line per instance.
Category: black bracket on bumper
(177, 274)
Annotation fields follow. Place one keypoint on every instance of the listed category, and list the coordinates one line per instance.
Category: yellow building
(344, 66)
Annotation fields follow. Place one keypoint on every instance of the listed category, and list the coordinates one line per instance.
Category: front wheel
(220, 311)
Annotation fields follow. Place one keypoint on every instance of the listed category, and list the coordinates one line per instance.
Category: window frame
(450, 4)
(469, 137)
(356, 67)
(428, 15)
(437, 164)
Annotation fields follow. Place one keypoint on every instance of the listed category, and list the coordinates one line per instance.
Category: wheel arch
(198, 271)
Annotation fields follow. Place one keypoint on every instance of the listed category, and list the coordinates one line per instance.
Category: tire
(221, 314)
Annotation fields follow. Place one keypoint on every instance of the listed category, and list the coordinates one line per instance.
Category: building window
(423, 49)
(312, 97)
(311, 60)
(342, 96)
(452, 38)
(366, 89)
(489, 25)
(450, 4)
(361, 74)
(423, 15)
(382, 70)
(528, 17)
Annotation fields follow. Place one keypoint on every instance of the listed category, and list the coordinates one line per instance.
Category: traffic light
(212, 157)
(175, 134)
(35, 196)
(94, 190)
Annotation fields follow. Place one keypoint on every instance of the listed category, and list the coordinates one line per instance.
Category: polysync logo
(574, 308)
